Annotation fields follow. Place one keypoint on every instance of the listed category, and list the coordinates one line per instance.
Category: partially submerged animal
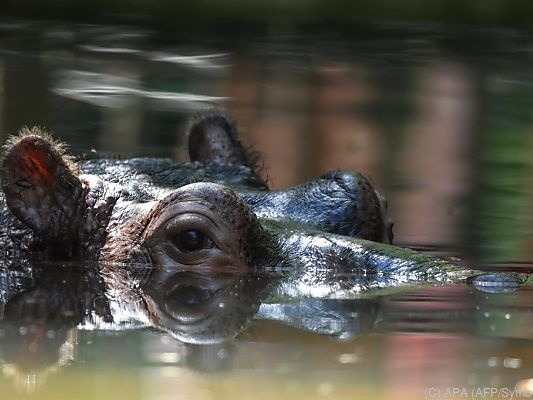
(196, 249)
(214, 212)
(79, 206)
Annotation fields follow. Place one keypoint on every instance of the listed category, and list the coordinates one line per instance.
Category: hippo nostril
(348, 181)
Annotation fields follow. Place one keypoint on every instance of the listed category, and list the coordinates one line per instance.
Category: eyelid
(184, 222)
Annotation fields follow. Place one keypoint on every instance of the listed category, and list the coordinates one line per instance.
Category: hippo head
(197, 224)
(147, 210)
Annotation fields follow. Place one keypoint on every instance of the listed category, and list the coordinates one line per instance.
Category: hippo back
(141, 177)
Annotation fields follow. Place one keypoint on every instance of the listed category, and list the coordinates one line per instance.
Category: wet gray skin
(147, 212)
(52, 199)
(49, 198)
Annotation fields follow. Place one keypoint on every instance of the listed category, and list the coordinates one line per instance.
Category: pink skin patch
(36, 163)
(39, 172)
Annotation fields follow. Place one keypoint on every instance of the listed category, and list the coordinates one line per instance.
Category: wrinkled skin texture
(214, 212)
(88, 209)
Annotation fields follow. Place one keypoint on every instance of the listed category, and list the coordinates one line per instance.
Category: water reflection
(106, 90)
(439, 119)
(203, 307)
(45, 314)
(41, 308)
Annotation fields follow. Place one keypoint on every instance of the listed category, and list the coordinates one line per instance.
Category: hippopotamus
(213, 212)
(193, 249)
(53, 204)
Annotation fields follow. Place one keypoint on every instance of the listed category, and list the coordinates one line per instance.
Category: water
(439, 118)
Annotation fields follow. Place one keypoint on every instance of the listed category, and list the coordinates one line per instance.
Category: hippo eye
(192, 240)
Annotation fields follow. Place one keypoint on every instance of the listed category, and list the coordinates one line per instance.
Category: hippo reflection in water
(197, 306)
(185, 223)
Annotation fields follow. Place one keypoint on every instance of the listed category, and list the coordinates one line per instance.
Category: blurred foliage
(504, 167)
(235, 13)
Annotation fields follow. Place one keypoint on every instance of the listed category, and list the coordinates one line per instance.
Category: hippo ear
(214, 137)
(40, 185)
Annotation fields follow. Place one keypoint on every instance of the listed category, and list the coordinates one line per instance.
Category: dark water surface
(440, 118)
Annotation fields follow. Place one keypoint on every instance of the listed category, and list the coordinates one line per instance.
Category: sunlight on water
(106, 90)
